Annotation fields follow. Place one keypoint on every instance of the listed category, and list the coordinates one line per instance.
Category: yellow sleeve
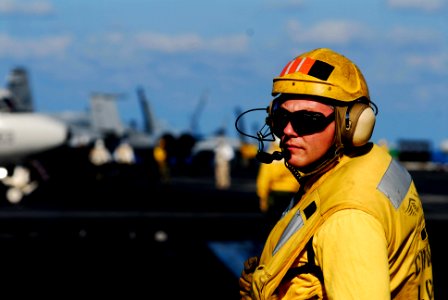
(159, 154)
(351, 249)
(263, 182)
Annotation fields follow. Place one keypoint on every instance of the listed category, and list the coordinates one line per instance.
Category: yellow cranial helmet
(330, 76)
(322, 73)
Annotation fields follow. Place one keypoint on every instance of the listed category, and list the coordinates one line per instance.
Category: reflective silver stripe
(295, 224)
(290, 206)
(395, 183)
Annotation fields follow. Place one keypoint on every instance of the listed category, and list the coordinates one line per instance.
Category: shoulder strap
(310, 267)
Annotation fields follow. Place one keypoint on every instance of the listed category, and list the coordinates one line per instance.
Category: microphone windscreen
(264, 157)
(277, 155)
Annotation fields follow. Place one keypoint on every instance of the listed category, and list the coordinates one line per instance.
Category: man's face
(306, 148)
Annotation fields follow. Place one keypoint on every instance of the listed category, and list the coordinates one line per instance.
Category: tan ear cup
(359, 124)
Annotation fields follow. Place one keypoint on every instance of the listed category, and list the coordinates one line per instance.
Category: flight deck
(119, 231)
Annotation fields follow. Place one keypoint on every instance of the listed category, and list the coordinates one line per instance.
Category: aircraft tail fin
(194, 122)
(105, 117)
(19, 86)
(148, 118)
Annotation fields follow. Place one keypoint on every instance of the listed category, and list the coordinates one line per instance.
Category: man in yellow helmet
(356, 227)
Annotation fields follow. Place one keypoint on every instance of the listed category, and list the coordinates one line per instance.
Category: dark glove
(245, 280)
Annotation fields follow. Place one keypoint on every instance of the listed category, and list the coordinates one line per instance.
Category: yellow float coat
(369, 233)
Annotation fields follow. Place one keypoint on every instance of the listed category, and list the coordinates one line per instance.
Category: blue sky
(227, 52)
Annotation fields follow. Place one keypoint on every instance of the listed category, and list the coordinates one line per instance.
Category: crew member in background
(124, 154)
(275, 186)
(99, 154)
(224, 154)
(248, 152)
(160, 154)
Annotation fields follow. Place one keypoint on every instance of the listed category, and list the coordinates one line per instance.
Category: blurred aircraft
(204, 148)
(23, 134)
(103, 121)
(209, 143)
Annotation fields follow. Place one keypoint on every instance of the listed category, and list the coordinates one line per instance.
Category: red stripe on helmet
(287, 68)
(306, 65)
(295, 65)
(300, 64)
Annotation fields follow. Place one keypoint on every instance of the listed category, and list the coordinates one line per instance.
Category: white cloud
(341, 32)
(286, 3)
(229, 44)
(427, 5)
(25, 8)
(191, 42)
(38, 47)
(119, 45)
(334, 32)
(114, 38)
(166, 43)
(437, 63)
(400, 35)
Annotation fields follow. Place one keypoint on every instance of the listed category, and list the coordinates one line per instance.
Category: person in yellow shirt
(160, 154)
(356, 228)
(275, 186)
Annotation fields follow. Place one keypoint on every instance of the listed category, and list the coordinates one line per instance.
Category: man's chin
(298, 163)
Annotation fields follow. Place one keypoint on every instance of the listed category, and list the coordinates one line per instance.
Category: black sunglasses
(303, 122)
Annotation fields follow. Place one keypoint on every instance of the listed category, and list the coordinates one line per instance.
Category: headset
(358, 124)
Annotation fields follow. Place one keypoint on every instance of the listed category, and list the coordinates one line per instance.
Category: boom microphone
(267, 158)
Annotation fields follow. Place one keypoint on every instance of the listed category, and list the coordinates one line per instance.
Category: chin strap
(330, 159)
